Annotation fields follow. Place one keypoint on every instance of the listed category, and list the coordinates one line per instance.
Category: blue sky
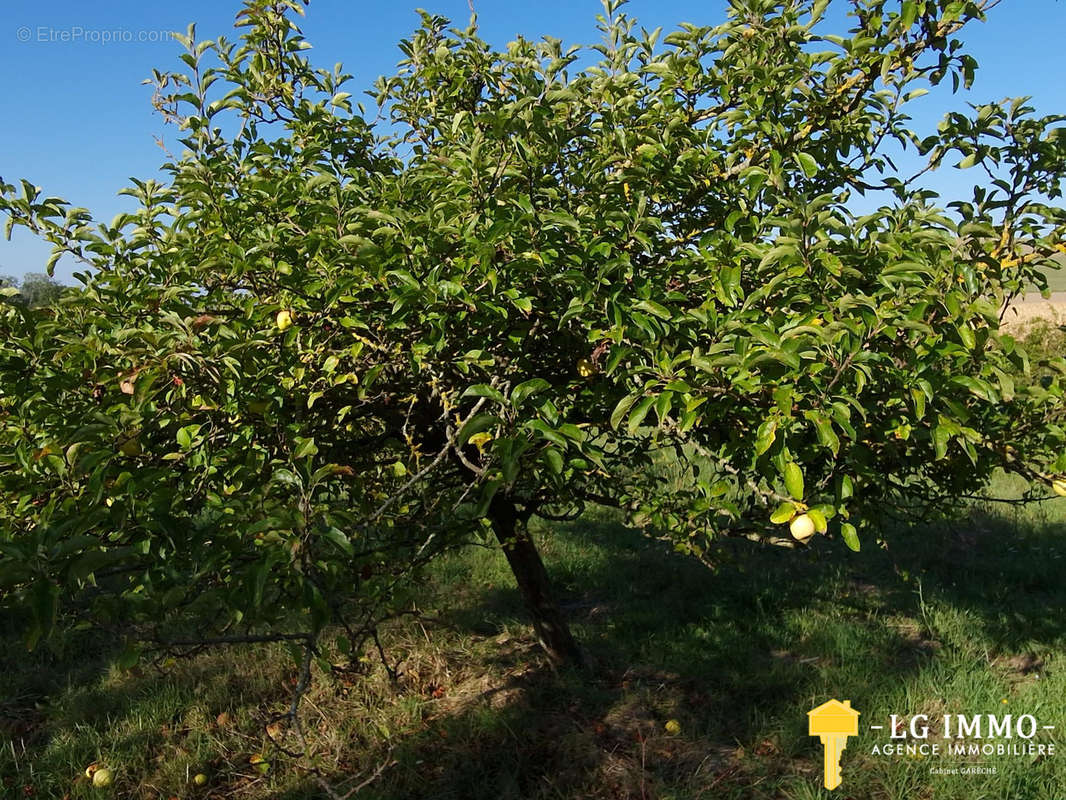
(79, 123)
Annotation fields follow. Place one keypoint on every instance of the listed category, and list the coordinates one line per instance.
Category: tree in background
(35, 290)
(327, 349)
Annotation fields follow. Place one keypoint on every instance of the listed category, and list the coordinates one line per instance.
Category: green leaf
(908, 12)
(941, 435)
(622, 408)
(305, 447)
(337, 537)
(783, 513)
(850, 536)
(847, 487)
(818, 518)
(794, 480)
(977, 387)
(953, 11)
(509, 451)
(554, 459)
(488, 491)
(663, 405)
(548, 432)
(89, 561)
(919, 402)
(765, 436)
(486, 391)
(186, 435)
(638, 414)
(824, 428)
(653, 308)
(527, 389)
(807, 164)
(287, 477)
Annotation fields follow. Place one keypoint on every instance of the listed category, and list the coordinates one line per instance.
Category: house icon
(835, 715)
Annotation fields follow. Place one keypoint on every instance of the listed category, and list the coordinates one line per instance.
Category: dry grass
(1034, 308)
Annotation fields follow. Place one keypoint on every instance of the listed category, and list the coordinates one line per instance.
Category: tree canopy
(331, 345)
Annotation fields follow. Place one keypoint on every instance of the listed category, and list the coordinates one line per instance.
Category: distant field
(1034, 307)
(1056, 278)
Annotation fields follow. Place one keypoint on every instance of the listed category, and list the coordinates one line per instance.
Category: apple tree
(335, 342)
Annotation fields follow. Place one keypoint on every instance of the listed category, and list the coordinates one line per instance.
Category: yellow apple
(802, 527)
(102, 778)
(284, 320)
(200, 779)
(585, 367)
(673, 727)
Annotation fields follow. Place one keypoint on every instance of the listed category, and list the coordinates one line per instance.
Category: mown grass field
(1056, 278)
(963, 617)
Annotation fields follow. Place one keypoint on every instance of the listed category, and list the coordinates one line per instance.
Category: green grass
(959, 617)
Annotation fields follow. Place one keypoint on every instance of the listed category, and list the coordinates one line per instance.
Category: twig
(425, 470)
(249, 639)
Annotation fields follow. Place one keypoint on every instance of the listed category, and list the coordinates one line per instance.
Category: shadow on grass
(1007, 574)
(736, 655)
(66, 705)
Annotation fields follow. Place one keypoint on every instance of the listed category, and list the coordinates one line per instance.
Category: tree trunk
(548, 621)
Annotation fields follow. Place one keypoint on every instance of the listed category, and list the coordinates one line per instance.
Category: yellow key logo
(833, 722)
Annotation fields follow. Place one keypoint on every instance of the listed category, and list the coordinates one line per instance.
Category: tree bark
(528, 568)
